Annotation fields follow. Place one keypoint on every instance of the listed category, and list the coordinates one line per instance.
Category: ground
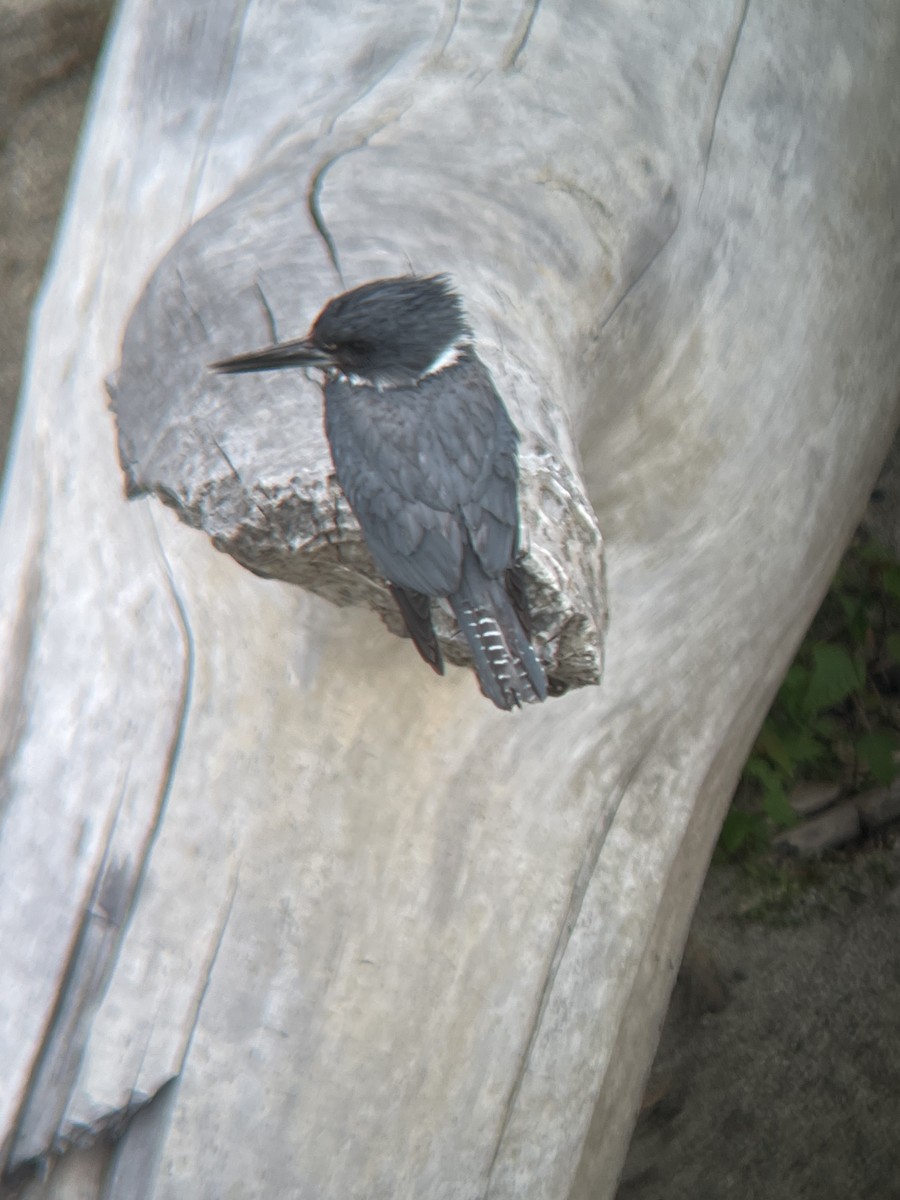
(792, 1088)
(778, 1073)
(47, 55)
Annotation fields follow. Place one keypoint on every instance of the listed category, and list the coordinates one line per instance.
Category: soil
(47, 55)
(778, 1073)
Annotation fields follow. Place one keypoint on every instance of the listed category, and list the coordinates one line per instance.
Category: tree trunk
(281, 911)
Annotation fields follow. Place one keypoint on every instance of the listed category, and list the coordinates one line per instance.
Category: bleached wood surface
(328, 925)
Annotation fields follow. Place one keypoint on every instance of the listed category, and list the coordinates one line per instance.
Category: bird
(427, 456)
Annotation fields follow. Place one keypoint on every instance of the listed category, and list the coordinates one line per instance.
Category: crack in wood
(729, 63)
(524, 26)
(207, 979)
(53, 1077)
(135, 1161)
(140, 1125)
(642, 272)
(313, 203)
(580, 884)
(314, 191)
(370, 87)
(584, 199)
(269, 314)
(443, 40)
(206, 140)
(133, 1170)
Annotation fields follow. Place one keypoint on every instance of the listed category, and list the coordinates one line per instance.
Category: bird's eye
(357, 349)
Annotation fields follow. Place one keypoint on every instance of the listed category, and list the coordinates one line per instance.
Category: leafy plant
(837, 714)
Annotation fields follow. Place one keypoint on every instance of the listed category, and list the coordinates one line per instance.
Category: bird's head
(390, 331)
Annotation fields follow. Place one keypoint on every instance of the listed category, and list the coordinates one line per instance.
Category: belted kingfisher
(426, 455)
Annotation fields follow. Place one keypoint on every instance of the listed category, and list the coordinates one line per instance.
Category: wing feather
(428, 471)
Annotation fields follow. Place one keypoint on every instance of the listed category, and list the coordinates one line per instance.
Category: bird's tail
(505, 662)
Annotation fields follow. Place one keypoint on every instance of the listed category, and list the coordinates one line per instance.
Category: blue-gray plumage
(426, 455)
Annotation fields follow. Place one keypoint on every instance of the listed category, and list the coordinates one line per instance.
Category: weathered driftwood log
(280, 910)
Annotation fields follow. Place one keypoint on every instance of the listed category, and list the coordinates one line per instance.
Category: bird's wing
(428, 471)
(416, 611)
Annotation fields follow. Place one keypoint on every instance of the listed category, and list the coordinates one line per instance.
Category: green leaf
(874, 554)
(876, 750)
(775, 801)
(805, 748)
(856, 618)
(776, 805)
(740, 831)
(764, 773)
(770, 744)
(792, 692)
(835, 675)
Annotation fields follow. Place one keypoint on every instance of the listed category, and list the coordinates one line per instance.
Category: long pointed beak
(301, 353)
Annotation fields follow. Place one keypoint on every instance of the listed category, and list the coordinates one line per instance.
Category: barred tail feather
(505, 662)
